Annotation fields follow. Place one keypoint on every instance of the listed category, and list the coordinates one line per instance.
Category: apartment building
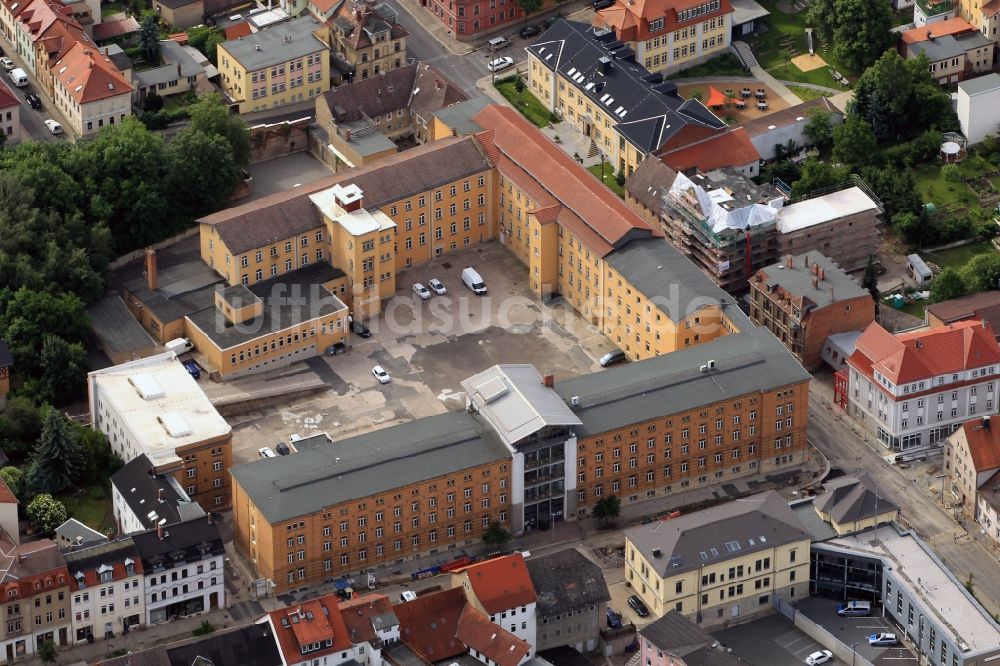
(33, 23)
(471, 20)
(311, 631)
(153, 408)
(976, 100)
(670, 35)
(622, 110)
(955, 49)
(280, 65)
(141, 498)
(971, 461)
(805, 299)
(365, 38)
(10, 117)
(917, 388)
(89, 90)
(36, 605)
(501, 589)
(572, 600)
(720, 564)
(705, 414)
(852, 504)
(107, 594)
(984, 15)
(183, 569)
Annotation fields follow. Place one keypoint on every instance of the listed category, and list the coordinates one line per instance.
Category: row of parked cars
(19, 78)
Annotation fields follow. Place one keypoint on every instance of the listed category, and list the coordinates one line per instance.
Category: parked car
(883, 639)
(529, 31)
(7, 63)
(407, 595)
(381, 375)
(820, 657)
(266, 452)
(501, 63)
(602, 4)
(614, 619)
(336, 348)
(855, 609)
(549, 22)
(636, 604)
(497, 43)
(53, 126)
(282, 449)
(612, 358)
(437, 287)
(473, 280)
(192, 368)
(360, 329)
(421, 291)
(34, 101)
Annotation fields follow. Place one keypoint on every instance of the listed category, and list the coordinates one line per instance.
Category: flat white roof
(357, 222)
(161, 404)
(823, 209)
(955, 609)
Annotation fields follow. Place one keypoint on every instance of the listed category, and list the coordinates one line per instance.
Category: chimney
(208, 516)
(549, 381)
(159, 532)
(806, 260)
(163, 496)
(822, 274)
(986, 422)
(151, 268)
(815, 269)
(437, 85)
(815, 282)
(789, 262)
(918, 343)
(178, 70)
(347, 135)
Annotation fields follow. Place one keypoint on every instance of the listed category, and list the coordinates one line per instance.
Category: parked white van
(18, 77)
(178, 345)
(498, 43)
(473, 280)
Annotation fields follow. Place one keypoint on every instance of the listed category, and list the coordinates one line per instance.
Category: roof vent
(575, 400)
(256, 47)
(656, 552)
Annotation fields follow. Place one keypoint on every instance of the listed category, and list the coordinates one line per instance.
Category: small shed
(918, 269)
(838, 348)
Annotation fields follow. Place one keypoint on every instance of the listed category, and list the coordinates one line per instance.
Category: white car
(421, 291)
(381, 375)
(7, 63)
(53, 126)
(883, 639)
(820, 657)
(500, 63)
(266, 452)
(437, 287)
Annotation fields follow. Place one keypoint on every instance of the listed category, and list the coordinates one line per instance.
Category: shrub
(951, 173)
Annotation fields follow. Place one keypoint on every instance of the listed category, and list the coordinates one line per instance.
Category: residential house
(118, 27)
(955, 49)
(674, 640)
(670, 35)
(141, 498)
(181, 14)
(852, 504)
(984, 15)
(501, 588)
(572, 600)
(281, 65)
(622, 109)
(36, 589)
(914, 389)
(108, 598)
(311, 631)
(179, 73)
(928, 12)
(805, 299)
(432, 91)
(10, 115)
(251, 645)
(976, 102)
(183, 569)
(33, 22)
(8, 512)
(971, 461)
(785, 128)
(720, 564)
(372, 626)
(645, 187)
(152, 407)
(472, 20)
(365, 38)
(73, 535)
(984, 306)
(89, 90)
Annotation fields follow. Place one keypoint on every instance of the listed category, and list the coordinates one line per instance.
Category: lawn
(112, 8)
(935, 189)
(524, 101)
(608, 177)
(957, 257)
(95, 513)
(726, 64)
(806, 94)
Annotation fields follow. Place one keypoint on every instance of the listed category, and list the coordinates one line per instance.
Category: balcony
(530, 464)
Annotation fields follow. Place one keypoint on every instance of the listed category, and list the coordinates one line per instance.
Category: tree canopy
(607, 509)
(56, 460)
(947, 285)
(46, 513)
(859, 30)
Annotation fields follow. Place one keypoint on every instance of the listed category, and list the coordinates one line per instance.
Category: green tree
(607, 509)
(99, 461)
(896, 189)
(951, 173)
(947, 285)
(149, 39)
(529, 7)
(14, 478)
(982, 272)
(883, 93)
(495, 535)
(46, 513)
(64, 372)
(911, 226)
(859, 30)
(47, 652)
(854, 143)
(816, 175)
(211, 116)
(819, 127)
(206, 40)
(153, 102)
(209, 158)
(870, 279)
(56, 460)
(31, 316)
(20, 426)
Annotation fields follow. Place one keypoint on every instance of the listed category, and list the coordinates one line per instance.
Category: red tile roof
(606, 215)
(88, 75)
(501, 583)
(39, 15)
(125, 25)
(358, 613)
(314, 621)
(984, 305)
(631, 18)
(428, 624)
(952, 26)
(490, 640)
(983, 438)
(927, 353)
(6, 495)
(730, 149)
(237, 31)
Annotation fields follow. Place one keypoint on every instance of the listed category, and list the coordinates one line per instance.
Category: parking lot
(856, 630)
(428, 347)
(770, 641)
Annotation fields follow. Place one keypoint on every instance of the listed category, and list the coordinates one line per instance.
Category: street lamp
(854, 652)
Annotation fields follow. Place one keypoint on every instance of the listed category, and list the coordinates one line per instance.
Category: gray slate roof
(650, 182)
(798, 279)
(949, 46)
(375, 462)
(980, 84)
(675, 634)
(116, 328)
(274, 49)
(141, 491)
(74, 534)
(747, 362)
(459, 116)
(374, 96)
(672, 281)
(566, 580)
(653, 111)
(173, 54)
(757, 523)
(849, 499)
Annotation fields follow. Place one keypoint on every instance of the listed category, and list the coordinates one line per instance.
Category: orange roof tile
(501, 583)
(952, 26)
(495, 642)
(606, 215)
(7, 100)
(428, 624)
(732, 149)
(924, 354)
(358, 613)
(990, 8)
(631, 18)
(983, 438)
(88, 75)
(238, 30)
(315, 621)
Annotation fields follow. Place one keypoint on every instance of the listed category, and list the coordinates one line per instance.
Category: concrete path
(774, 84)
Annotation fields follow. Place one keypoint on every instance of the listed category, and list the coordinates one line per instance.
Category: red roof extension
(501, 583)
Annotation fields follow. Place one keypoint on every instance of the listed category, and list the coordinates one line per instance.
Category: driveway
(854, 631)
(770, 641)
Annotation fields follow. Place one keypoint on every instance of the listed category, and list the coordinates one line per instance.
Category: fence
(816, 632)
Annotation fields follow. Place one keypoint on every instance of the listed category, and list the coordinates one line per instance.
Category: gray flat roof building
(273, 46)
